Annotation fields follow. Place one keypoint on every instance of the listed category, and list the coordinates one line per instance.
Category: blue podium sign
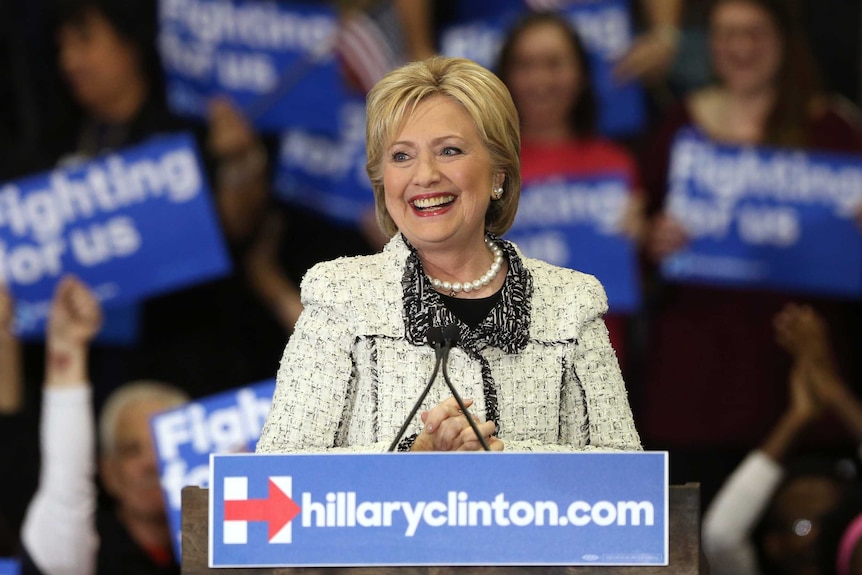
(576, 223)
(373, 510)
(766, 218)
(184, 438)
(131, 225)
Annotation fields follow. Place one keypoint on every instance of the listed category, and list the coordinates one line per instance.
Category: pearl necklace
(457, 287)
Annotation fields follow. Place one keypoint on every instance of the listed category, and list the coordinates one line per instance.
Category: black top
(471, 311)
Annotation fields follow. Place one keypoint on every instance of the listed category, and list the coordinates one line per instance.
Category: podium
(684, 533)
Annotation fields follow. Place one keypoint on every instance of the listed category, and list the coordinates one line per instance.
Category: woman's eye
(400, 157)
(451, 151)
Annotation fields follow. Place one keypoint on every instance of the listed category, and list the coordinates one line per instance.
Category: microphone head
(434, 336)
(451, 335)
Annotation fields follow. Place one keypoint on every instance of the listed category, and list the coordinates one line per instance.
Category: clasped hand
(447, 429)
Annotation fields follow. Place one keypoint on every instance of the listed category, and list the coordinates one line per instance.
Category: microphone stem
(461, 405)
(418, 403)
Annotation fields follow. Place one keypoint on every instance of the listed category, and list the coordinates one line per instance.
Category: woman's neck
(734, 116)
(123, 107)
(463, 266)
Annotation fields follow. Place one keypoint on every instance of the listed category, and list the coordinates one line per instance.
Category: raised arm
(59, 532)
(11, 378)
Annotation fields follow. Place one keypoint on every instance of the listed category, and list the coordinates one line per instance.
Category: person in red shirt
(544, 65)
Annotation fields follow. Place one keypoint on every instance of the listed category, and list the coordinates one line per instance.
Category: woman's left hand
(447, 429)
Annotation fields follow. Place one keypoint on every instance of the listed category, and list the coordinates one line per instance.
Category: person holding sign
(545, 67)
(715, 379)
(108, 59)
(64, 530)
(531, 350)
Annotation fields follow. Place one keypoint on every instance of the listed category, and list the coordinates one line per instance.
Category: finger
(446, 437)
(446, 409)
(468, 440)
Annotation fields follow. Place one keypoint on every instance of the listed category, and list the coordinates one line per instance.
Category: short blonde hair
(130, 394)
(480, 92)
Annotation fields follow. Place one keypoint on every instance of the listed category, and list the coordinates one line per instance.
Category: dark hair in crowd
(135, 21)
(798, 80)
(584, 111)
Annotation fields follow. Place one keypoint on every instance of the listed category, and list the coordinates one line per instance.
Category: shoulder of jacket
(564, 300)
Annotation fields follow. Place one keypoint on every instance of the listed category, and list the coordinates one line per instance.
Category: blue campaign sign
(327, 174)
(184, 438)
(364, 510)
(274, 60)
(10, 566)
(766, 218)
(575, 223)
(605, 27)
(130, 224)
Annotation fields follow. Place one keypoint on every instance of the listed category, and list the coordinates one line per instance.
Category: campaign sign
(184, 438)
(766, 218)
(274, 60)
(604, 26)
(9, 566)
(576, 223)
(370, 510)
(327, 174)
(130, 224)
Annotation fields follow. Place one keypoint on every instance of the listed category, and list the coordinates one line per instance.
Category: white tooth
(431, 202)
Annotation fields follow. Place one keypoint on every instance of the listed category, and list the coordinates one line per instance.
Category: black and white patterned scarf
(506, 327)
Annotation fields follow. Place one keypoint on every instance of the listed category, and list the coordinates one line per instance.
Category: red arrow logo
(277, 510)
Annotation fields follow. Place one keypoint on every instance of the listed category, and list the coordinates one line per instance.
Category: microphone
(434, 337)
(451, 335)
(442, 340)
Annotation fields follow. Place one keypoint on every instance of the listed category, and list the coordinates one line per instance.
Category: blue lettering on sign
(130, 225)
(576, 223)
(340, 510)
(768, 218)
(184, 438)
(275, 61)
(327, 174)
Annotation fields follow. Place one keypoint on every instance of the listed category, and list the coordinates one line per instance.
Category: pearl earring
(497, 193)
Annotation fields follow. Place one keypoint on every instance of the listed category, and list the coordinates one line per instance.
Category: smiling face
(746, 46)
(438, 177)
(544, 76)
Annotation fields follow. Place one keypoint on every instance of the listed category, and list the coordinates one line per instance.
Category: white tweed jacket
(540, 365)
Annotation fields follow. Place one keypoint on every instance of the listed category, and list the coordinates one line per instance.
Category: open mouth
(433, 203)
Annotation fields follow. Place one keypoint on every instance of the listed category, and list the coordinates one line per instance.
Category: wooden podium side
(684, 544)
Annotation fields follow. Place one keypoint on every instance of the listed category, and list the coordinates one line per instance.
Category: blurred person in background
(714, 380)
(545, 67)
(114, 98)
(66, 529)
(772, 515)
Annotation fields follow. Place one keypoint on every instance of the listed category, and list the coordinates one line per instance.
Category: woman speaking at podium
(533, 361)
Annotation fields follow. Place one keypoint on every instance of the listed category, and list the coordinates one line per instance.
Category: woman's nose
(427, 171)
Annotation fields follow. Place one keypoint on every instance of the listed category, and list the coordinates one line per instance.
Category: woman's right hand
(666, 236)
(76, 315)
(447, 429)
